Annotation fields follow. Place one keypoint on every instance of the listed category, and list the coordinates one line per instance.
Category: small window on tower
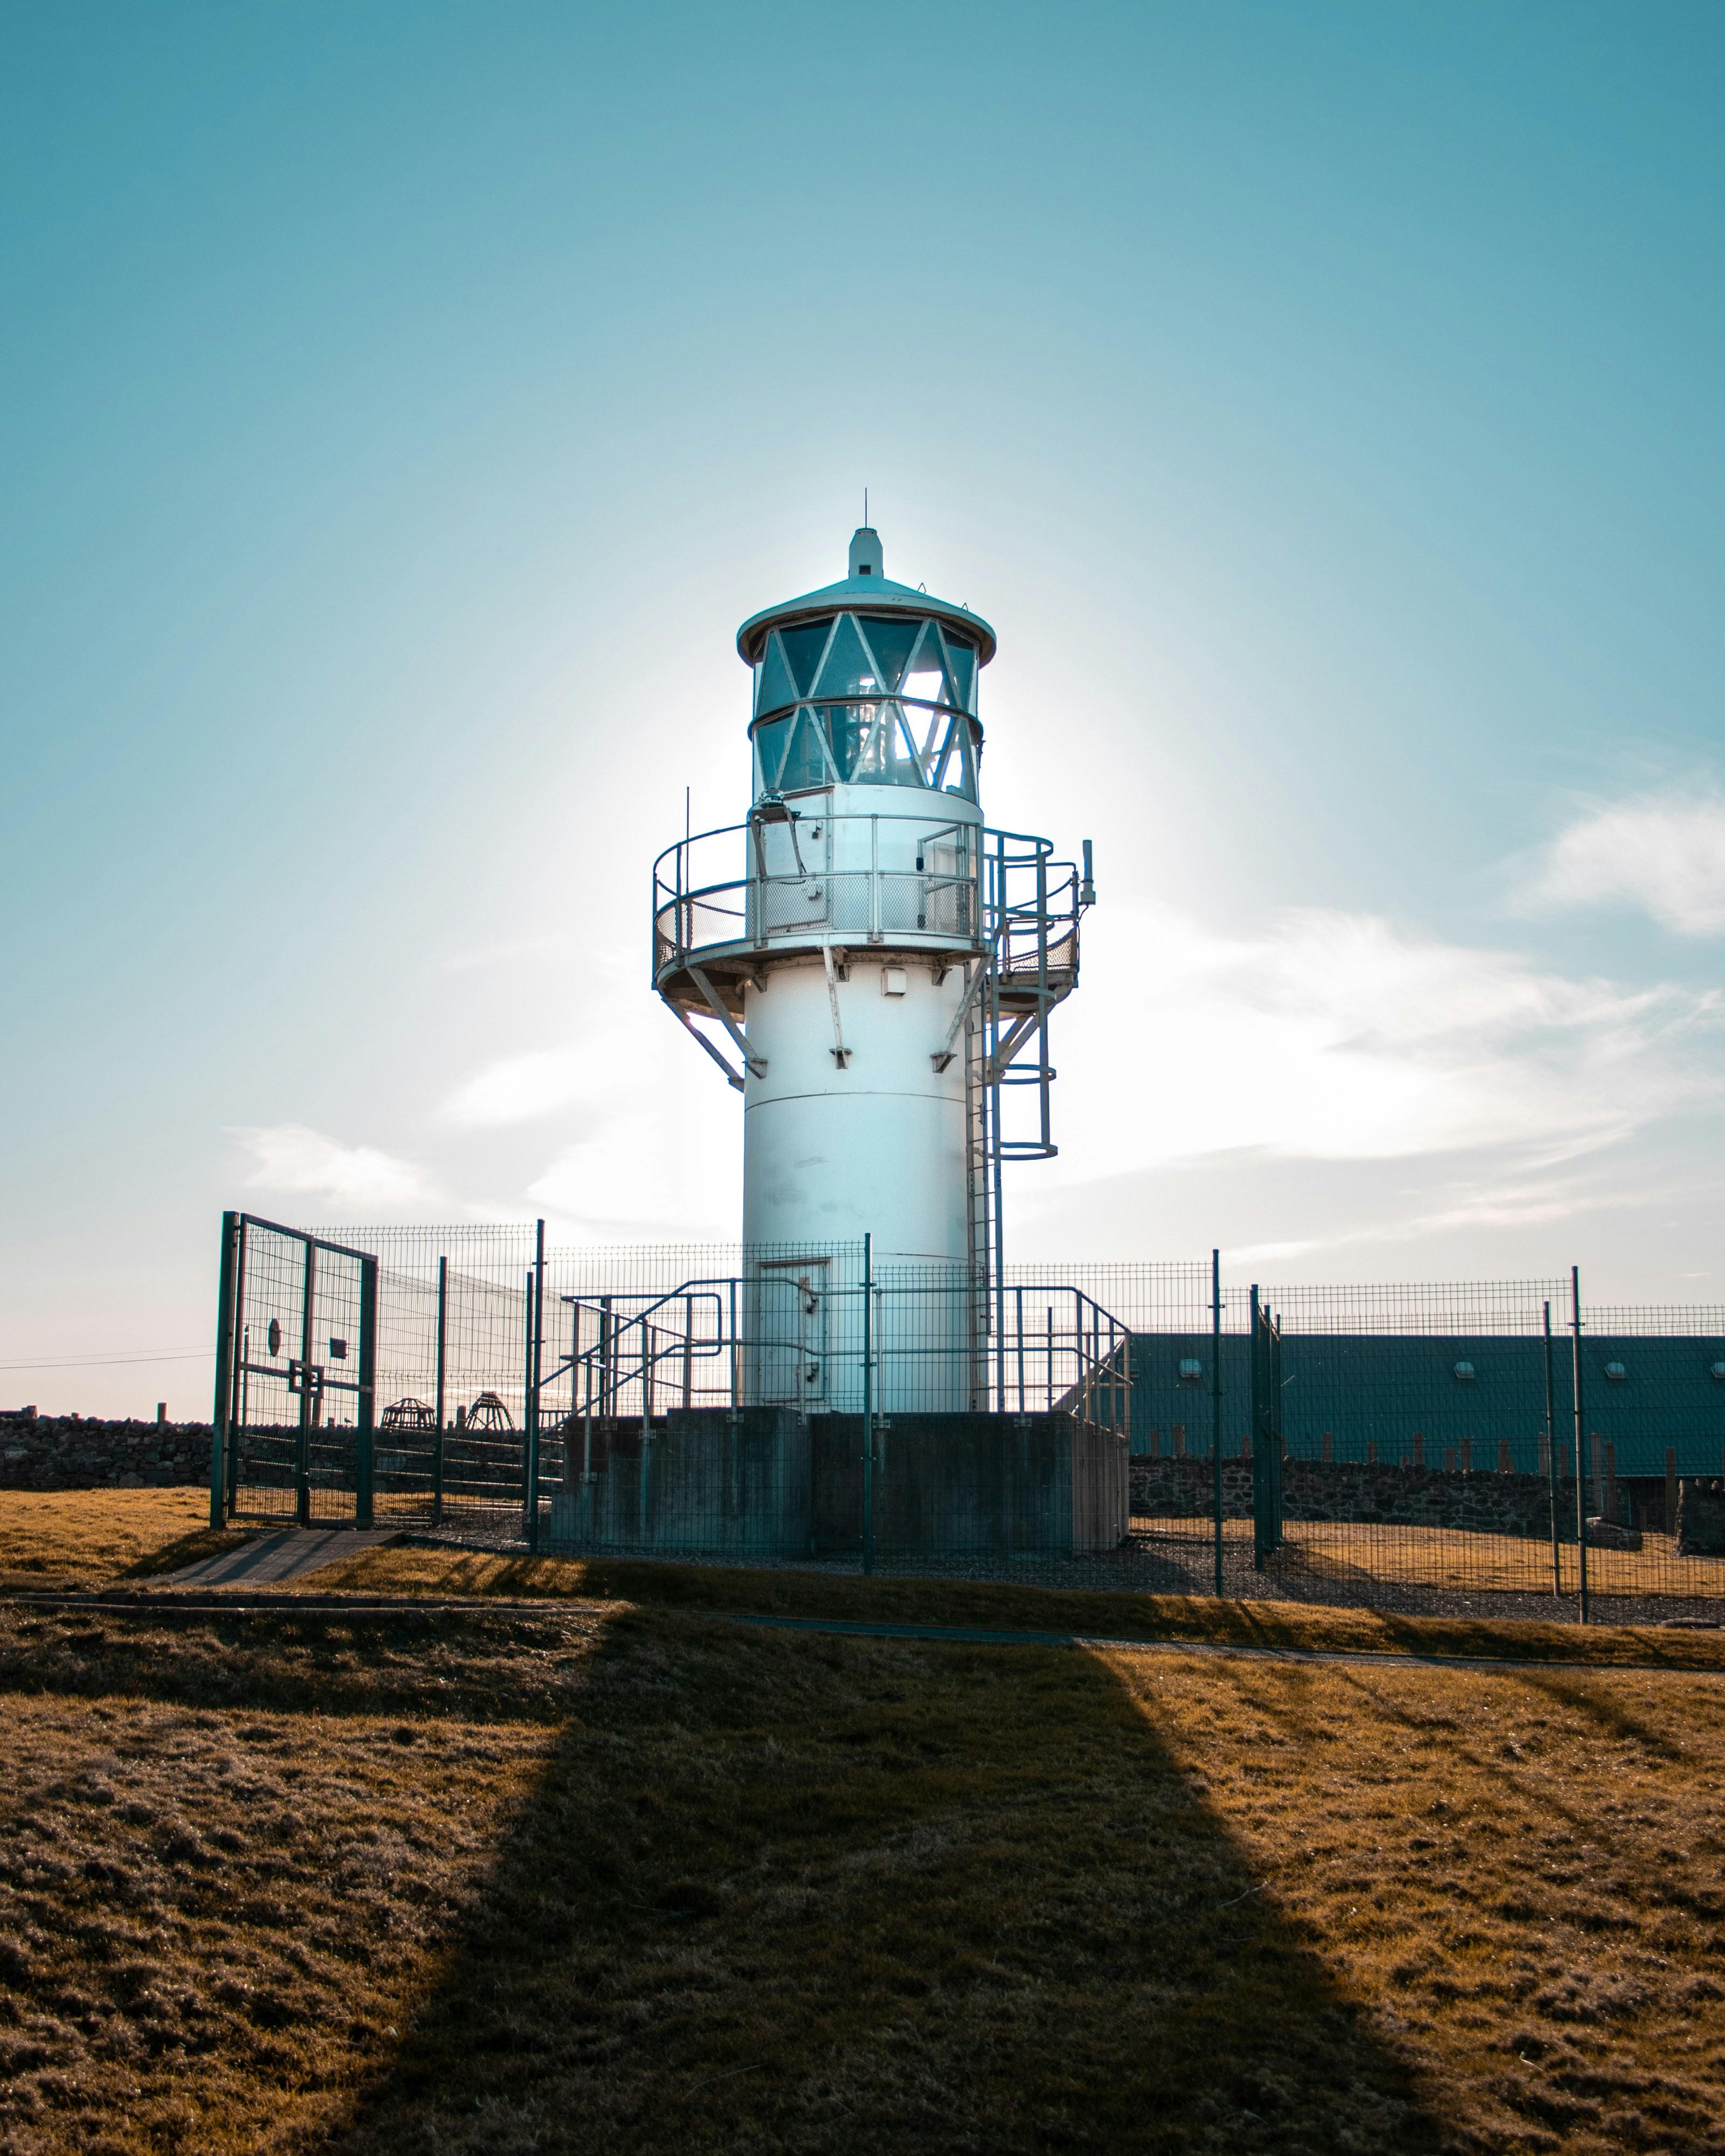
(864, 569)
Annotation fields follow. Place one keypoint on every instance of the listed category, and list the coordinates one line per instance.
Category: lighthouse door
(791, 1353)
(792, 883)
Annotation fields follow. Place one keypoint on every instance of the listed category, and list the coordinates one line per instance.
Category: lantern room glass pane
(774, 689)
(769, 753)
(847, 727)
(805, 762)
(960, 660)
(925, 676)
(802, 647)
(946, 763)
(904, 760)
(955, 773)
(847, 669)
(890, 642)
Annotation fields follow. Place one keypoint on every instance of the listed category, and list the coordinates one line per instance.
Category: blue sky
(405, 404)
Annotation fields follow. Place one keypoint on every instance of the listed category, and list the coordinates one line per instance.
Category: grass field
(419, 1569)
(605, 1876)
(1462, 1558)
(73, 1538)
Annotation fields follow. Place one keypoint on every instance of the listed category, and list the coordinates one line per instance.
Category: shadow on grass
(493, 1666)
(811, 1893)
(433, 1570)
(184, 1550)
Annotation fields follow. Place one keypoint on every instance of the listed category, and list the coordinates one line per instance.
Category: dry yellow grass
(228, 1862)
(641, 1882)
(628, 1879)
(1469, 1561)
(73, 1538)
(1517, 1876)
(427, 1570)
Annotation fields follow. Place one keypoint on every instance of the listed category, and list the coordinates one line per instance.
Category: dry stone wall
(1700, 1519)
(1360, 1490)
(77, 1452)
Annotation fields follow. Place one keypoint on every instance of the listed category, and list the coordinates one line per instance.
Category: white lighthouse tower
(873, 969)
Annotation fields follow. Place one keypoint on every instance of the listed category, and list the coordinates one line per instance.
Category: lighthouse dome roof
(866, 588)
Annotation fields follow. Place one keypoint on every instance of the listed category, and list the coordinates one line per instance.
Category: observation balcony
(726, 903)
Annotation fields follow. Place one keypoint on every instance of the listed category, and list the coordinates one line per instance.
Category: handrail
(1029, 927)
(1032, 1363)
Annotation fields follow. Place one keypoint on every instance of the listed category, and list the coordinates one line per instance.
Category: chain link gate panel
(297, 1359)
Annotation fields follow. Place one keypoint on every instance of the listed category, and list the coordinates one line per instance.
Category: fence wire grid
(1403, 1445)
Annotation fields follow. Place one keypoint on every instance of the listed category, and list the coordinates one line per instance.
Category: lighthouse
(874, 968)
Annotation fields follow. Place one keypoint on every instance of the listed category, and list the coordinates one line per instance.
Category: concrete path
(264, 1559)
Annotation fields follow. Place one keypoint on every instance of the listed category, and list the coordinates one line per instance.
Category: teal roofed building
(1643, 1394)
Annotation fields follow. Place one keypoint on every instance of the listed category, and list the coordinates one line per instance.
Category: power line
(94, 1362)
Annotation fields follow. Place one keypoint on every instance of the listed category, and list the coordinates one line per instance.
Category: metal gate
(295, 1378)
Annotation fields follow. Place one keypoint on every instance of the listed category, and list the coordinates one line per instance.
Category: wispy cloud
(625, 1038)
(520, 1089)
(1662, 852)
(648, 1135)
(1338, 1036)
(646, 1176)
(1511, 1201)
(289, 1157)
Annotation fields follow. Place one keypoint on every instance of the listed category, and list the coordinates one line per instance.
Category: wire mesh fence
(1433, 1447)
(773, 1401)
(1419, 1446)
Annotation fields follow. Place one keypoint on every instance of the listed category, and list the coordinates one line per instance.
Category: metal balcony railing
(783, 879)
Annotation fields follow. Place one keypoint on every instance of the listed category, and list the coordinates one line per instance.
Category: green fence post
(239, 1338)
(1262, 1505)
(1551, 1460)
(1580, 1460)
(1279, 1447)
(366, 1434)
(1130, 1363)
(443, 1334)
(867, 1458)
(308, 1399)
(1216, 1405)
(220, 1423)
(535, 1343)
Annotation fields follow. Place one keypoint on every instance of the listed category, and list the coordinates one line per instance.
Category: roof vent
(1190, 1367)
(1616, 1372)
(1464, 1371)
(1719, 1372)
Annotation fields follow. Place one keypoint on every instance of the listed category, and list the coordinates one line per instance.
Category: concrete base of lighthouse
(771, 1484)
(699, 1482)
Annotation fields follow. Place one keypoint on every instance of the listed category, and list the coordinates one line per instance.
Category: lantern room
(866, 683)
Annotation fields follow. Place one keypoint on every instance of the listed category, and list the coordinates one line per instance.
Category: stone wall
(1360, 1490)
(78, 1452)
(1700, 1519)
